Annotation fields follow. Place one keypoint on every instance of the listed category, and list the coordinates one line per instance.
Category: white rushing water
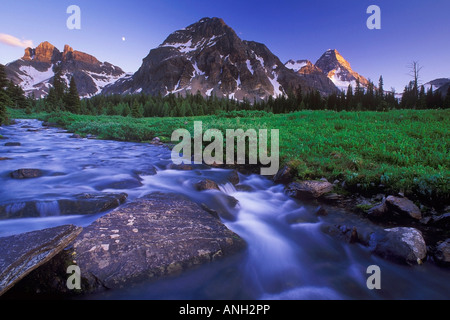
(288, 255)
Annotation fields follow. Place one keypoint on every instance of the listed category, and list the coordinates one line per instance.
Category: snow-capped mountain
(339, 70)
(208, 57)
(34, 72)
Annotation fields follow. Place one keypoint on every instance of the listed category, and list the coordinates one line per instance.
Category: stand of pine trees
(419, 99)
(61, 97)
(11, 95)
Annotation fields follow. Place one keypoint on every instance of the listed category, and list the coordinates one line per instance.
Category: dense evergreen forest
(63, 98)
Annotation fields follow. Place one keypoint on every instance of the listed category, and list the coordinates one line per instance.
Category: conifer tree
(136, 110)
(381, 87)
(422, 98)
(72, 99)
(166, 110)
(126, 110)
(4, 98)
(349, 98)
(3, 79)
(56, 95)
(447, 99)
(4, 102)
(430, 98)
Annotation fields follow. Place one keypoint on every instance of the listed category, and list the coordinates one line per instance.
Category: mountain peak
(44, 52)
(213, 20)
(338, 70)
(67, 49)
(331, 60)
(203, 29)
(209, 57)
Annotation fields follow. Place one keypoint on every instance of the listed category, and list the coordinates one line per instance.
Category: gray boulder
(403, 207)
(21, 254)
(308, 189)
(403, 245)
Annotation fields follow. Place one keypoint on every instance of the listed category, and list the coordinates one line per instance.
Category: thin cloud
(15, 42)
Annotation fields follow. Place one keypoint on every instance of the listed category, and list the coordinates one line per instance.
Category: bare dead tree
(415, 69)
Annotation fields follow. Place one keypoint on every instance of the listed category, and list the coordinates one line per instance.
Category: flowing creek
(288, 254)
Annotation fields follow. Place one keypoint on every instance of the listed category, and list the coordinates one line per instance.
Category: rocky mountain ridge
(34, 72)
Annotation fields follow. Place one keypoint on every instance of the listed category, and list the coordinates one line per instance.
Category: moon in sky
(123, 39)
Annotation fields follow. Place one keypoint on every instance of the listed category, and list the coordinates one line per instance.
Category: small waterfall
(48, 208)
(14, 207)
(227, 188)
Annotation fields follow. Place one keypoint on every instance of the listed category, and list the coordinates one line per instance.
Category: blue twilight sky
(410, 30)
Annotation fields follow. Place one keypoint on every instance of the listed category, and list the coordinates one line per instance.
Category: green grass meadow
(402, 150)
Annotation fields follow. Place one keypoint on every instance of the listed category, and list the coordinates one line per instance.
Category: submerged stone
(26, 174)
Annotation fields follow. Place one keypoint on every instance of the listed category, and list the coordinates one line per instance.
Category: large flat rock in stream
(21, 254)
(155, 236)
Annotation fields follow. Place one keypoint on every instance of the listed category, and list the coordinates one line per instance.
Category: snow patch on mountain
(101, 80)
(197, 71)
(249, 67)
(276, 85)
(261, 60)
(296, 65)
(339, 82)
(31, 77)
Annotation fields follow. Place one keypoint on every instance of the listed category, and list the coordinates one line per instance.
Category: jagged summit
(44, 52)
(34, 72)
(338, 70)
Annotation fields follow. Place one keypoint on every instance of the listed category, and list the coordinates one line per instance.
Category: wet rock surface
(13, 144)
(233, 177)
(90, 203)
(21, 254)
(206, 184)
(149, 238)
(26, 174)
(342, 233)
(81, 204)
